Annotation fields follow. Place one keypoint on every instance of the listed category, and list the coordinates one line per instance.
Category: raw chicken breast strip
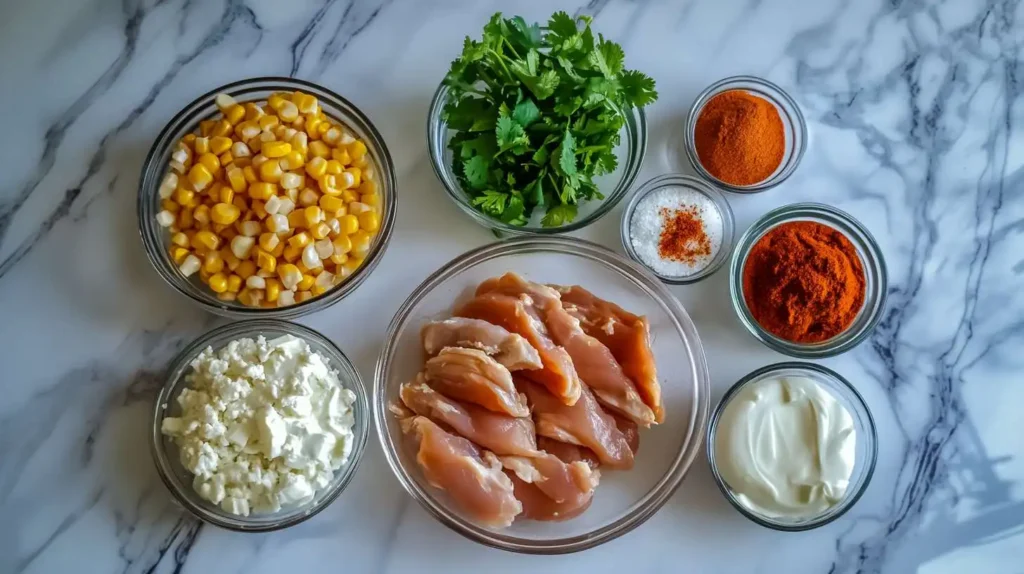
(472, 376)
(509, 349)
(569, 483)
(538, 506)
(471, 477)
(594, 362)
(626, 335)
(584, 424)
(518, 316)
(497, 432)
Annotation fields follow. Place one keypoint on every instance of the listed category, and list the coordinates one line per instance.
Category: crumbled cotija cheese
(263, 424)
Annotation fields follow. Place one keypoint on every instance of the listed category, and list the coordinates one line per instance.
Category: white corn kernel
(332, 136)
(357, 207)
(267, 136)
(273, 205)
(324, 280)
(324, 248)
(224, 101)
(239, 149)
(310, 258)
(287, 206)
(289, 112)
(250, 130)
(291, 181)
(308, 197)
(165, 218)
(259, 160)
(335, 225)
(346, 138)
(180, 156)
(288, 133)
(286, 298)
(241, 246)
(177, 166)
(190, 265)
(252, 228)
(299, 141)
(256, 282)
(277, 223)
(369, 174)
(168, 185)
(345, 180)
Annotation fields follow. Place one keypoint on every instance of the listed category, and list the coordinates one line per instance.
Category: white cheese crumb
(264, 424)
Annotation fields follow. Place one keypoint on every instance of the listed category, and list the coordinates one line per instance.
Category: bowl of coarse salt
(679, 228)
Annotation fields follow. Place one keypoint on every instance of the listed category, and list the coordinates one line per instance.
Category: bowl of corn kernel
(272, 197)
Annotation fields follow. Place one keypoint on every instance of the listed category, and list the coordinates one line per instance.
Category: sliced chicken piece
(519, 316)
(538, 506)
(584, 424)
(572, 483)
(497, 432)
(509, 349)
(472, 376)
(626, 335)
(472, 477)
(594, 362)
(569, 453)
(629, 429)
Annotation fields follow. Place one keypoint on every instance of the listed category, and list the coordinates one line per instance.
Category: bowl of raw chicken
(541, 395)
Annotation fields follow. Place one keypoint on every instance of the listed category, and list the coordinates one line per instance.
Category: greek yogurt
(264, 424)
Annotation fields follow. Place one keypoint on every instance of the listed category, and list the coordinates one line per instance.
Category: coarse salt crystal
(648, 222)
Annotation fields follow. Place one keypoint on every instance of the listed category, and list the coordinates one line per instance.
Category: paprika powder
(739, 138)
(804, 282)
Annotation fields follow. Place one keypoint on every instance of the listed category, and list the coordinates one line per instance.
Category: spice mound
(804, 282)
(740, 138)
(676, 231)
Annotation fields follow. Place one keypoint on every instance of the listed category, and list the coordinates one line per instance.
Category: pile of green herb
(536, 114)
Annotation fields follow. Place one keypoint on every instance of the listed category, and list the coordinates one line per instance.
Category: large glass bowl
(157, 239)
(624, 499)
(630, 152)
(165, 452)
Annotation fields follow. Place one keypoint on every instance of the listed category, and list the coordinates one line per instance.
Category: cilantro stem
(510, 46)
(502, 64)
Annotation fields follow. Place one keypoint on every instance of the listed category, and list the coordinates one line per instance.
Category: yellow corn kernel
(234, 282)
(206, 127)
(320, 230)
(268, 241)
(268, 121)
(316, 167)
(246, 269)
(277, 99)
(312, 126)
(218, 145)
(247, 130)
(331, 204)
(213, 262)
(226, 159)
(210, 162)
(225, 213)
(183, 196)
(189, 139)
(259, 208)
(324, 127)
(225, 194)
(313, 215)
(371, 199)
(262, 191)
(297, 219)
(301, 296)
(227, 233)
(201, 214)
(218, 283)
(234, 114)
(340, 154)
(230, 261)
(357, 176)
(185, 220)
(206, 239)
(334, 167)
(362, 163)
(242, 162)
(305, 283)
(273, 289)
(349, 224)
(306, 103)
(356, 149)
(170, 205)
(342, 244)
(253, 111)
(369, 221)
(319, 149)
(300, 239)
(289, 275)
(222, 128)
(329, 184)
(239, 202)
(236, 179)
(178, 254)
(360, 243)
(201, 145)
(368, 187)
(338, 258)
(249, 173)
(200, 177)
(276, 149)
(348, 196)
(293, 160)
(270, 171)
(279, 250)
(180, 239)
(266, 261)
(291, 253)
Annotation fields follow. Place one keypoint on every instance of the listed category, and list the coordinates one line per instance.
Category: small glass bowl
(165, 452)
(624, 499)
(630, 151)
(792, 121)
(692, 183)
(157, 240)
(875, 276)
(866, 449)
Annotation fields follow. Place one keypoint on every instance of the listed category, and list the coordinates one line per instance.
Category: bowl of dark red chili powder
(808, 280)
(745, 134)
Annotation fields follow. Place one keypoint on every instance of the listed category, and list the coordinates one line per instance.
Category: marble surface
(915, 115)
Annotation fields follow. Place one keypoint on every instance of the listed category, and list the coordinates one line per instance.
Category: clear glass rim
(872, 261)
(636, 133)
(859, 403)
(642, 509)
(690, 182)
(179, 367)
(787, 107)
(186, 119)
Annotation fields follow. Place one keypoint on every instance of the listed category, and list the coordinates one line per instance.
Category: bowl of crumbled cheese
(259, 426)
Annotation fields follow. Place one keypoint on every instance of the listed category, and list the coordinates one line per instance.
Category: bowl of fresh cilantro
(539, 129)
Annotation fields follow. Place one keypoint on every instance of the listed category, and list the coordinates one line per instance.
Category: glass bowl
(866, 449)
(630, 151)
(165, 452)
(875, 276)
(792, 121)
(694, 184)
(157, 240)
(624, 500)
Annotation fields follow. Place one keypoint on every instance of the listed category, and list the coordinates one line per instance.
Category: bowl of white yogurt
(259, 426)
(792, 446)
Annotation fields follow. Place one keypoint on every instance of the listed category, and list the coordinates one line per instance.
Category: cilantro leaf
(491, 202)
(523, 34)
(526, 113)
(559, 215)
(475, 170)
(606, 163)
(513, 213)
(542, 86)
(482, 145)
(509, 134)
(608, 57)
(567, 155)
(561, 29)
(540, 157)
(637, 88)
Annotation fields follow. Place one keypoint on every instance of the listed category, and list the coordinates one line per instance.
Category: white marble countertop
(915, 115)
